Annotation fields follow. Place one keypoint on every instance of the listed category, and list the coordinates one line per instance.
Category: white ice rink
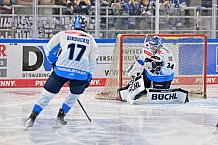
(113, 122)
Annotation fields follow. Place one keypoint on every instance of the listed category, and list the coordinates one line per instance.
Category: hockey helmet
(155, 43)
(80, 23)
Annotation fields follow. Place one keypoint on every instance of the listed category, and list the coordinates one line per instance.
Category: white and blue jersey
(74, 53)
(165, 57)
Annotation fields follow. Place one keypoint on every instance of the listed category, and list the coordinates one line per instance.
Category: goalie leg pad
(122, 93)
(132, 90)
(165, 96)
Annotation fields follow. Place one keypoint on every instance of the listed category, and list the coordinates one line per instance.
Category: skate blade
(56, 125)
(25, 128)
(28, 124)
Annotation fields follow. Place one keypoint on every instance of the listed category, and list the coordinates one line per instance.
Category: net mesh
(188, 52)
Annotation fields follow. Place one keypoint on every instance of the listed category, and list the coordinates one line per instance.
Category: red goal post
(190, 54)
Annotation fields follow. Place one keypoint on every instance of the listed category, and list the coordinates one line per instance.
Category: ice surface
(113, 122)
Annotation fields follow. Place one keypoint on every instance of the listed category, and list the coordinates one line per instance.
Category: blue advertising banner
(212, 55)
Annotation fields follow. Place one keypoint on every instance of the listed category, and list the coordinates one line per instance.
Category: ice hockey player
(154, 68)
(73, 54)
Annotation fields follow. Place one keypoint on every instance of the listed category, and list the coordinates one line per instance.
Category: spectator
(46, 10)
(56, 11)
(146, 9)
(172, 8)
(117, 22)
(116, 5)
(103, 11)
(206, 3)
(69, 7)
(24, 10)
(164, 3)
(82, 7)
(5, 7)
(105, 4)
(130, 8)
(187, 13)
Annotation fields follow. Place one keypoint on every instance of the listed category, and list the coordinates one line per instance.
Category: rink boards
(23, 63)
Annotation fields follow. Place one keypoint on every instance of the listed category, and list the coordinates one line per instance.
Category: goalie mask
(80, 23)
(155, 43)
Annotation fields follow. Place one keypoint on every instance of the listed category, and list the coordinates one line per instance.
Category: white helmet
(155, 43)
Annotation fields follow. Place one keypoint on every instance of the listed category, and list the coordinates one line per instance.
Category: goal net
(189, 52)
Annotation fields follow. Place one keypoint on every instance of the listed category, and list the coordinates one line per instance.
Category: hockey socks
(43, 101)
(65, 108)
(69, 102)
(40, 104)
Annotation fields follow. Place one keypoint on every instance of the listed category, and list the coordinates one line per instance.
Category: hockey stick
(80, 104)
(84, 110)
(146, 37)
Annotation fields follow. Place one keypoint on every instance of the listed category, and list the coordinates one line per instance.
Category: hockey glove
(156, 67)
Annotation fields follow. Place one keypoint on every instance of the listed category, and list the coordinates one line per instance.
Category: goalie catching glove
(154, 64)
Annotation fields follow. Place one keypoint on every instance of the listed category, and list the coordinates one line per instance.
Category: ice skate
(31, 120)
(60, 119)
(216, 131)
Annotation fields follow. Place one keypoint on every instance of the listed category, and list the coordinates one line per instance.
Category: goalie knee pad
(132, 90)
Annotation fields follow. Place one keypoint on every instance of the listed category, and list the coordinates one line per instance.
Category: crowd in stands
(132, 7)
(120, 9)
